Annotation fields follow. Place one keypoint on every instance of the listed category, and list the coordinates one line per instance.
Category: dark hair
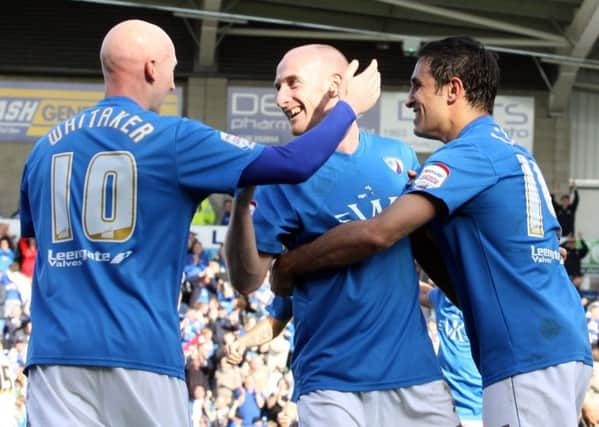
(467, 59)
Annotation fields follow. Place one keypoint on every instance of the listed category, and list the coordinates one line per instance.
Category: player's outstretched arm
(353, 241)
(297, 161)
(246, 266)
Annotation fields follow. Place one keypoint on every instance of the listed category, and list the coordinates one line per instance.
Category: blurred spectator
(250, 401)
(201, 405)
(4, 230)
(222, 412)
(27, 254)
(12, 296)
(7, 255)
(8, 392)
(593, 322)
(199, 370)
(288, 416)
(22, 283)
(226, 216)
(277, 400)
(228, 379)
(204, 214)
(566, 210)
(196, 262)
(573, 259)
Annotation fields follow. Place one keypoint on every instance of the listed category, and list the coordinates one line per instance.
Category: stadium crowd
(256, 392)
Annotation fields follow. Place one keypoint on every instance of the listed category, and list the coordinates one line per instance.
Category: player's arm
(423, 294)
(297, 161)
(429, 257)
(354, 240)
(246, 266)
(263, 332)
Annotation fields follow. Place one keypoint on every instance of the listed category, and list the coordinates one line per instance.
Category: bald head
(137, 60)
(325, 55)
(131, 43)
(307, 82)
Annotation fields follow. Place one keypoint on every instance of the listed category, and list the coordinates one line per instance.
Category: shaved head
(307, 83)
(323, 54)
(132, 42)
(133, 55)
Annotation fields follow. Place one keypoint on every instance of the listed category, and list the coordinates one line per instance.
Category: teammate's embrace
(362, 356)
(109, 195)
(499, 237)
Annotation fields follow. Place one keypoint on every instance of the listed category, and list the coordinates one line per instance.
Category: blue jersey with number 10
(500, 242)
(109, 195)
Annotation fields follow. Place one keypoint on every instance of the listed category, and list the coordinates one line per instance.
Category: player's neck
(460, 121)
(118, 88)
(349, 144)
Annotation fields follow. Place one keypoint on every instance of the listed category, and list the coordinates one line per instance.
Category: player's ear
(150, 71)
(334, 83)
(455, 90)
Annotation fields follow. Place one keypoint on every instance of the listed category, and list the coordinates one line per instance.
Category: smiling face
(306, 82)
(429, 103)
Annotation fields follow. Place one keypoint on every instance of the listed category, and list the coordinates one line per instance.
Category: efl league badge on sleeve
(432, 176)
(237, 141)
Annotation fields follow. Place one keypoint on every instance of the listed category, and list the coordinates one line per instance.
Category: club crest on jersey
(394, 164)
(431, 176)
(253, 206)
(237, 141)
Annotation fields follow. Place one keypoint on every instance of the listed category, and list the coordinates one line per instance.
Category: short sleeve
(27, 229)
(455, 174)
(280, 308)
(209, 160)
(274, 218)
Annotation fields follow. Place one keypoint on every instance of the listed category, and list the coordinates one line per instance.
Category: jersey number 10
(109, 198)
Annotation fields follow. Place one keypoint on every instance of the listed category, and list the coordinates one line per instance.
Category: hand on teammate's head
(361, 91)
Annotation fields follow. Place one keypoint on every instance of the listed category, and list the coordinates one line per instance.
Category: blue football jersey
(109, 195)
(455, 358)
(281, 308)
(499, 237)
(357, 328)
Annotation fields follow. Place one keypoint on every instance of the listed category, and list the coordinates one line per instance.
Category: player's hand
(281, 282)
(234, 352)
(363, 90)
